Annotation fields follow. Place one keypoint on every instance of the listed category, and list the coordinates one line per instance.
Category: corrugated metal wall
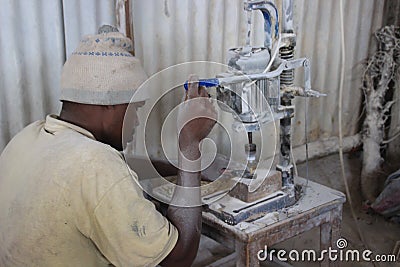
(169, 32)
(36, 37)
(84, 17)
(31, 54)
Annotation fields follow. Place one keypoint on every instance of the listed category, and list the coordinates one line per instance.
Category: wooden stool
(319, 207)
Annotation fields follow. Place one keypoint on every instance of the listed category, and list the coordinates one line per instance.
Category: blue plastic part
(205, 82)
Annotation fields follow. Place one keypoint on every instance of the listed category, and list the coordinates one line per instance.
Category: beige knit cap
(101, 71)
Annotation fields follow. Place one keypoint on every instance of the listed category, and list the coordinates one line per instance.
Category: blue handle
(205, 82)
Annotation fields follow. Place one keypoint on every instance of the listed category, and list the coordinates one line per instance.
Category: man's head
(105, 122)
(98, 82)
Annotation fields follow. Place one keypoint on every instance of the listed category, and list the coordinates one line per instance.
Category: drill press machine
(258, 88)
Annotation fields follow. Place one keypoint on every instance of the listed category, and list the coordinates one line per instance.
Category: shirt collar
(53, 124)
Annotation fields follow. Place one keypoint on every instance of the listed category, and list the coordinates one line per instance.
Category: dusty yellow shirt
(68, 200)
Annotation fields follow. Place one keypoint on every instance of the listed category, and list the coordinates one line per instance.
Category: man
(67, 198)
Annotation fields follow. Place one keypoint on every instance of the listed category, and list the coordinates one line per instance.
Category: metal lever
(313, 93)
(300, 91)
(284, 65)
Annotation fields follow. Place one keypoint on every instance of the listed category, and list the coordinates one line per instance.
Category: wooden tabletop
(310, 210)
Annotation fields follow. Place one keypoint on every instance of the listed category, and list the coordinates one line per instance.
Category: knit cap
(101, 71)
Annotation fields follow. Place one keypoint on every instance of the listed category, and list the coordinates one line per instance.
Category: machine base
(233, 211)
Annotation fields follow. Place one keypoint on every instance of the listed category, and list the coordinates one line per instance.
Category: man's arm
(210, 174)
(164, 168)
(186, 219)
(199, 116)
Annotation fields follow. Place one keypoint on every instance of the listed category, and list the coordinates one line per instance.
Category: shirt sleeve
(127, 228)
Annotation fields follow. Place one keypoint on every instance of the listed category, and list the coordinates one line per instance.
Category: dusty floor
(380, 235)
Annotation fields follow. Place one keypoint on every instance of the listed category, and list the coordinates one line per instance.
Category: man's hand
(196, 117)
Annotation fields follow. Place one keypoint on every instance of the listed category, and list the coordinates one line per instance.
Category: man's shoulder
(64, 148)
(91, 149)
(87, 162)
(23, 139)
(93, 153)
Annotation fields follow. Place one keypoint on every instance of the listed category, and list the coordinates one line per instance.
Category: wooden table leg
(336, 222)
(246, 254)
(330, 233)
(325, 241)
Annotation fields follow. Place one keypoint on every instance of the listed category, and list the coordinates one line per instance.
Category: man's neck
(86, 118)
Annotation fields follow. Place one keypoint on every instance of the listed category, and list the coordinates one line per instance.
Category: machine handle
(205, 82)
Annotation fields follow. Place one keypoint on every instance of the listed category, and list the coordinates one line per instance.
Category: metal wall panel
(31, 56)
(35, 38)
(319, 35)
(84, 17)
(169, 32)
